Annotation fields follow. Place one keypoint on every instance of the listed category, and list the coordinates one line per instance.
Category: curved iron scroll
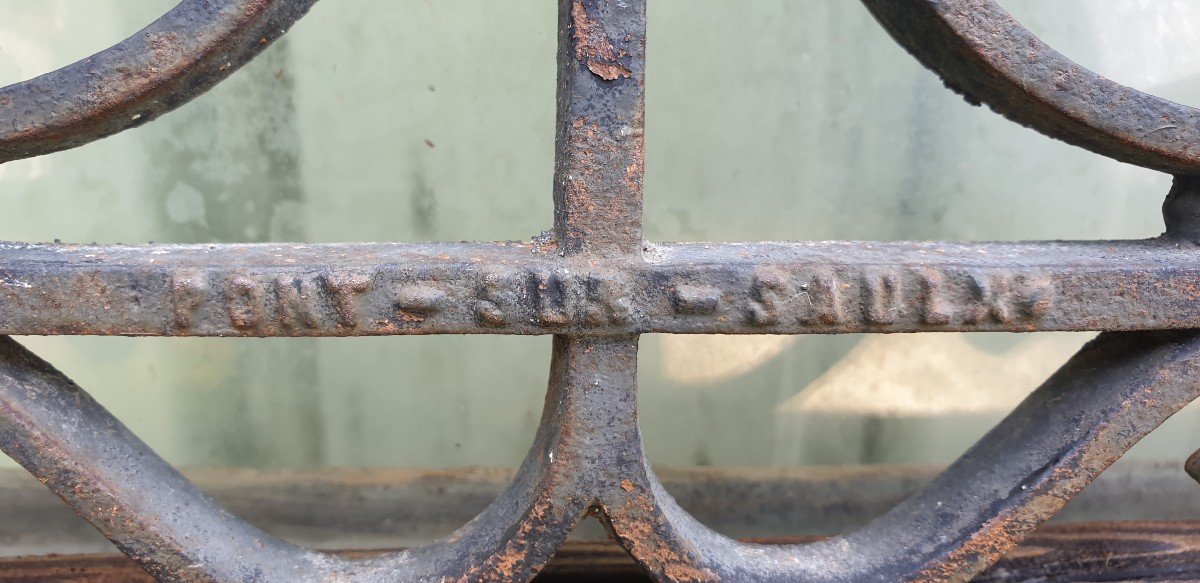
(163, 66)
(596, 285)
(985, 54)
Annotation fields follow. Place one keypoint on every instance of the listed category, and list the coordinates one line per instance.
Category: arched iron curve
(1112, 393)
(981, 51)
(153, 514)
(181, 55)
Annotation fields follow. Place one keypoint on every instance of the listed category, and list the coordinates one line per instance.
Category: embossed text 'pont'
(379, 289)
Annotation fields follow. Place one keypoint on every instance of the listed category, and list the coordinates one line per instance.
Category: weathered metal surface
(1101, 551)
(1120, 551)
(173, 60)
(983, 53)
(1131, 551)
(512, 288)
(352, 508)
(599, 160)
(74, 447)
(587, 458)
(1099, 404)
(1113, 551)
(594, 283)
(154, 515)
(176, 58)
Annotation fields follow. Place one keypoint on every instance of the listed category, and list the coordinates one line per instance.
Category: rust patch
(518, 559)
(591, 42)
(638, 525)
(982, 550)
(255, 7)
(608, 71)
(604, 184)
(165, 46)
(593, 47)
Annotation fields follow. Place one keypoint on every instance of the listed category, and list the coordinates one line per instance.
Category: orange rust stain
(126, 87)
(635, 171)
(514, 557)
(594, 153)
(165, 46)
(609, 71)
(593, 48)
(999, 535)
(635, 523)
(255, 7)
(591, 42)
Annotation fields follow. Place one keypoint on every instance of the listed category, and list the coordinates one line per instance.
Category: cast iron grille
(595, 284)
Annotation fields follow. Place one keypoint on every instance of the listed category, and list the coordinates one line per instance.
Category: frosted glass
(409, 121)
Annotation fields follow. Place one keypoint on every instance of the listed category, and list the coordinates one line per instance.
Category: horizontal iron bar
(527, 288)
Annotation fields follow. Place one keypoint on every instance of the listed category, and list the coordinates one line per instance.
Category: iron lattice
(596, 285)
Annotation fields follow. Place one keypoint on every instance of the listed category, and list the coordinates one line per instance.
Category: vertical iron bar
(599, 166)
(601, 103)
(598, 211)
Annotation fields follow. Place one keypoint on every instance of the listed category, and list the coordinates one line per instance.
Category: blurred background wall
(417, 120)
